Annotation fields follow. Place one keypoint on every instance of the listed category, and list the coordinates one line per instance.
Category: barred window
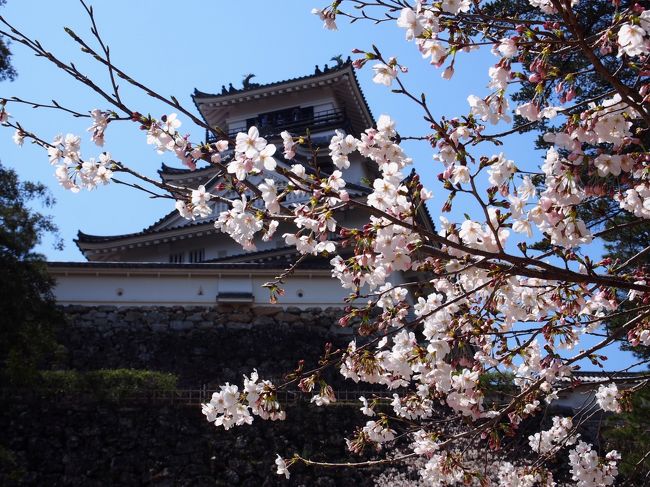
(177, 258)
(197, 255)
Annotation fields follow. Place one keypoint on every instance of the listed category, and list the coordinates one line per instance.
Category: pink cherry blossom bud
(534, 78)
(570, 94)
(448, 72)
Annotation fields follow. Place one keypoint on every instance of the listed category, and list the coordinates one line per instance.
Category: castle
(179, 262)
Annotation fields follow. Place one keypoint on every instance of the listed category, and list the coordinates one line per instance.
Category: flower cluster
(72, 172)
(230, 407)
(252, 155)
(557, 436)
(240, 223)
(100, 122)
(588, 470)
(607, 397)
(164, 136)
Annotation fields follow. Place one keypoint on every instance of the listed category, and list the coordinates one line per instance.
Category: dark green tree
(625, 235)
(629, 434)
(26, 304)
(7, 71)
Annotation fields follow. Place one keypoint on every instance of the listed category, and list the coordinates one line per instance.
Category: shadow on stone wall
(67, 441)
(94, 444)
(200, 345)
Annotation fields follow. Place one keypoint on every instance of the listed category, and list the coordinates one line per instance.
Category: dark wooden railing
(323, 120)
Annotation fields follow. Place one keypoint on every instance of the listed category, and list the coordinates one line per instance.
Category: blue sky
(203, 45)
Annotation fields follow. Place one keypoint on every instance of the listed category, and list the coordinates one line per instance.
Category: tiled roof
(603, 376)
(256, 86)
(168, 170)
(165, 169)
(86, 238)
(225, 94)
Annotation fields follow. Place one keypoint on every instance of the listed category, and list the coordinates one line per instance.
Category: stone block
(159, 327)
(239, 326)
(239, 318)
(263, 321)
(180, 325)
(266, 311)
(132, 316)
(287, 317)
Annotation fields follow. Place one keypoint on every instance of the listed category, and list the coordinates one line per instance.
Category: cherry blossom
(384, 74)
(282, 468)
(607, 397)
(18, 137)
(632, 40)
(410, 21)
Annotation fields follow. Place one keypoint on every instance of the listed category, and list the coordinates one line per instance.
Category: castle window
(240, 126)
(177, 258)
(197, 255)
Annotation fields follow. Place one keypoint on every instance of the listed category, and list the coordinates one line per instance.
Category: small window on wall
(197, 255)
(177, 258)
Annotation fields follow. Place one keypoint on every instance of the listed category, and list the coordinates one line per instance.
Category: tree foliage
(7, 71)
(584, 85)
(27, 305)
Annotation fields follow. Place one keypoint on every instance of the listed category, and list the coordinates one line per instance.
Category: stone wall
(201, 345)
(80, 442)
(68, 443)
